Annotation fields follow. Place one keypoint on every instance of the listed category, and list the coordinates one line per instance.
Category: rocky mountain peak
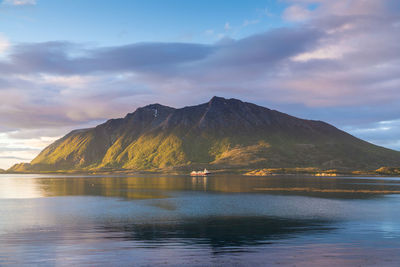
(224, 133)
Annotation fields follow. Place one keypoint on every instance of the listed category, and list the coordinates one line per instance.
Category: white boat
(205, 172)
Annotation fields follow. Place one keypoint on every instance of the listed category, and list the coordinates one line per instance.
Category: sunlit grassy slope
(223, 133)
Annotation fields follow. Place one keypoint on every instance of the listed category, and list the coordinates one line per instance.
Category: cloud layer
(19, 2)
(339, 62)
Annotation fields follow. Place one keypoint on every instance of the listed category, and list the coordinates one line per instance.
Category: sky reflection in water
(219, 220)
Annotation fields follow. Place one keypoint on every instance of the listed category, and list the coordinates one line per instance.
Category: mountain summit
(223, 133)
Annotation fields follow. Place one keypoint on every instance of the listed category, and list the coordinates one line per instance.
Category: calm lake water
(215, 221)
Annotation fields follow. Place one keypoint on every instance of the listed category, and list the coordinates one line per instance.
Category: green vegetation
(385, 171)
(388, 171)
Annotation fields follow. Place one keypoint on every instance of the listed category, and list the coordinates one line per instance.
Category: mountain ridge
(222, 133)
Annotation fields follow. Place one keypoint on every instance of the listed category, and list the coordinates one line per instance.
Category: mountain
(223, 133)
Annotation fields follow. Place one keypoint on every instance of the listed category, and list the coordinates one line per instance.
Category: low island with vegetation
(383, 171)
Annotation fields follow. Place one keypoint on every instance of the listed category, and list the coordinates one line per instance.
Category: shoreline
(242, 172)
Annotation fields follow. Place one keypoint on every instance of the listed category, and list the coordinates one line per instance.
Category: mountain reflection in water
(155, 186)
(218, 232)
(206, 221)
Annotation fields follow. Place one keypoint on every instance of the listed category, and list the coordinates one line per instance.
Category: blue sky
(120, 22)
(73, 64)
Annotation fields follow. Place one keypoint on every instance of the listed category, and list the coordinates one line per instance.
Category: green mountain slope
(223, 133)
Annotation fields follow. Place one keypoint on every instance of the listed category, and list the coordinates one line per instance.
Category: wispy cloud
(209, 32)
(250, 22)
(227, 26)
(297, 13)
(14, 149)
(13, 158)
(4, 44)
(19, 2)
(382, 132)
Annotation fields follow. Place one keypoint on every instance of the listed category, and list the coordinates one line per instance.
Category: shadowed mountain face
(223, 133)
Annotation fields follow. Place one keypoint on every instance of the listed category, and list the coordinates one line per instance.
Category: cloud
(227, 26)
(4, 44)
(13, 158)
(60, 58)
(317, 64)
(8, 149)
(297, 13)
(20, 2)
(267, 12)
(382, 132)
(13, 149)
(250, 22)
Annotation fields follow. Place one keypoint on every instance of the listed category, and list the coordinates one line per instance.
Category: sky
(71, 64)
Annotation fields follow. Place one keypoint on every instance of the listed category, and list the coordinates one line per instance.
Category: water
(216, 221)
